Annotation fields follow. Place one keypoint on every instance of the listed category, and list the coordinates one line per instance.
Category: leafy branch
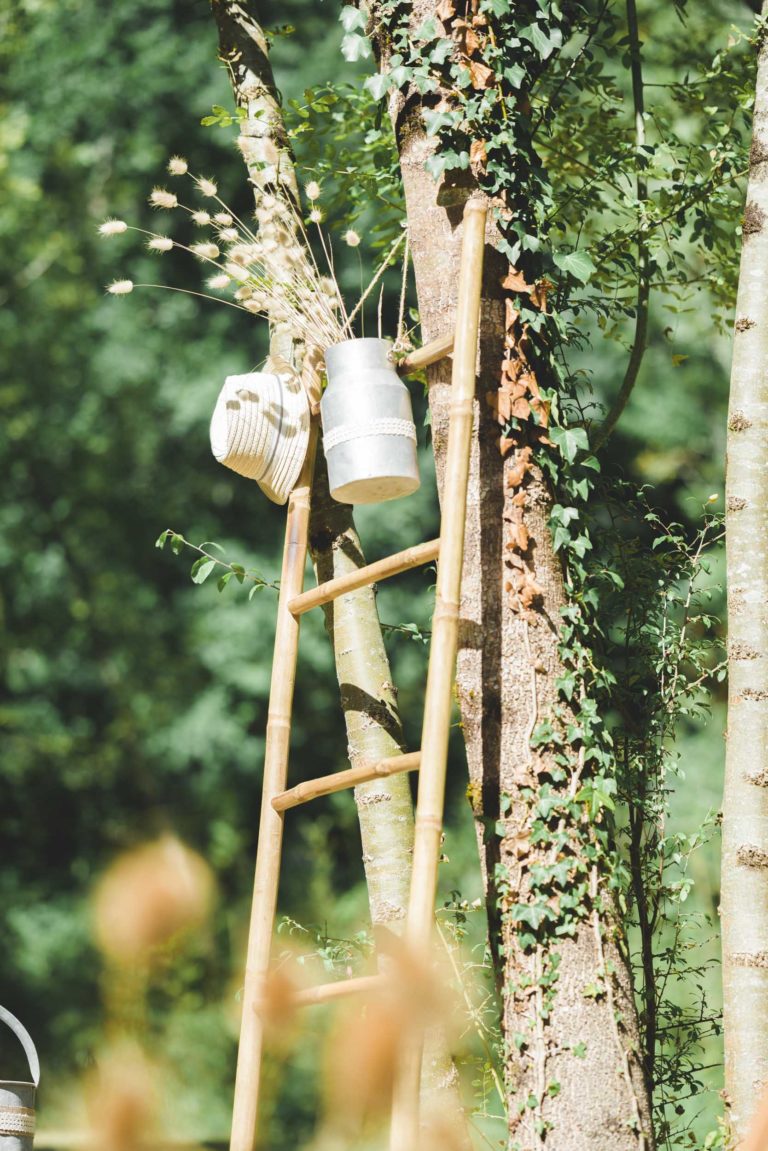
(206, 564)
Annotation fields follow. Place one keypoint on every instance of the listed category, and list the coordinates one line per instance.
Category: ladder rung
(430, 354)
(382, 569)
(327, 784)
(325, 992)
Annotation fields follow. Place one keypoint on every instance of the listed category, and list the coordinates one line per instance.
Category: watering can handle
(25, 1040)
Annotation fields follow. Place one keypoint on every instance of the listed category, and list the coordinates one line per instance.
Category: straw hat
(260, 429)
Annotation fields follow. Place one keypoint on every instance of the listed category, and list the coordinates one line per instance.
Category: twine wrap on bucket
(369, 435)
(17, 1099)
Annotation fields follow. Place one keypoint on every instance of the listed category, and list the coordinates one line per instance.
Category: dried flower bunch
(267, 269)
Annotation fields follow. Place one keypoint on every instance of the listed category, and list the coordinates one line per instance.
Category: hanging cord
(401, 313)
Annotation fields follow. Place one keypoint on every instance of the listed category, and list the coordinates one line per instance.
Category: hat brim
(282, 472)
(260, 429)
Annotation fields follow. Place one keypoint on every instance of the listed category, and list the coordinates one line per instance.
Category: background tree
(745, 938)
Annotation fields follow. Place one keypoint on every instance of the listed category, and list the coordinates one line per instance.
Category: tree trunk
(574, 1078)
(745, 806)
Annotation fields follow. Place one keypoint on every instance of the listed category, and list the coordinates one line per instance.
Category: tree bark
(744, 901)
(585, 1096)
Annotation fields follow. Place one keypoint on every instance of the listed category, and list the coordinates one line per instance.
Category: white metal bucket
(17, 1100)
(368, 431)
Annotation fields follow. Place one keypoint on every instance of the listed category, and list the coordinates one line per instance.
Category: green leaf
(160, 541)
(377, 85)
(436, 120)
(352, 18)
(593, 991)
(440, 52)
(514, 74)
(570, 441)
(577, 264)
(436, 165)
(533, 914)
(428, 30)
(543, 43)
(201, 569)
(355, 47)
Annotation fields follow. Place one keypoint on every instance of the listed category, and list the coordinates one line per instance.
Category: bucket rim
(360, 340)
(17, 1083)
(364, 345)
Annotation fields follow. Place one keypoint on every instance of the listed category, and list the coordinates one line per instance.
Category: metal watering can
(17, 1100)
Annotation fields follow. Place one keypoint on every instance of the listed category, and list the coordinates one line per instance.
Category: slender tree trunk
(368, 695)
(575, 1074)
(369, 702)
(745, 806)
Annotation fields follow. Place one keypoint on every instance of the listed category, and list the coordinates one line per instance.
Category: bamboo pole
(382, 569)
(339, 780)
(430, 354)
(247, 1081)
(442, 660)
(326, 992)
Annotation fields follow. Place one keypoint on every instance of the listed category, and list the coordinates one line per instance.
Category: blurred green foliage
(133, 701)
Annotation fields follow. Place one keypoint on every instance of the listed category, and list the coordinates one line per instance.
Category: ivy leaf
(428, 30)
(514, 74)
(533, 914)
(352, 18)
(440, 52)
(377, 85)
(543, 43)
(570, 441)
(577, 264)
(436, 120)
(593, 991)
(436, 165)
(355, 47)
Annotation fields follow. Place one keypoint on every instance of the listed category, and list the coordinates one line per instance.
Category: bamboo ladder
(430, 761)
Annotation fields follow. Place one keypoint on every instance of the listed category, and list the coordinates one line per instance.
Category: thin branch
(643, 277)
